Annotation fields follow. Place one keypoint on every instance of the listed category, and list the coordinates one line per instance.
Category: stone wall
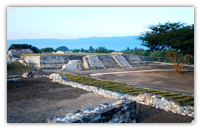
(32, 61)
(87, 61)
(72, 65)
(57, 61)
(22, 51)
(121, 60)
(94, 62)
(118, 111)
(108, 61)
(156, 101)
(135, 59)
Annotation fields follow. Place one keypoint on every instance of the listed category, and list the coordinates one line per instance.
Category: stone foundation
(118, 111)
(87, 61)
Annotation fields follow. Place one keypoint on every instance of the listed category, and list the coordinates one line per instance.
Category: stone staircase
(108, 61)
(135, 59)
(94, 62)
(122, 62)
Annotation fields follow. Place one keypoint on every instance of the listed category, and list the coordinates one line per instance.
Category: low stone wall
(14, 79)
(149, 99)
(122, 111)
(135, 59)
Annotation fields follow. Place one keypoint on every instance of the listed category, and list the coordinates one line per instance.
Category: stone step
(121, 60)
(108, 61)
(94, 62)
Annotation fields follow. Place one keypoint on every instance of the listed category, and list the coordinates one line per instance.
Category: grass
(17, 67)
(128, 89)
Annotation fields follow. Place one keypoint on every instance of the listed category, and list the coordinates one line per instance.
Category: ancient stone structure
(72, 65)
(62, 52)
(108, 61)
(93, 62)
(122, 111)
(121, 60)
(87, 61)
(22, 51)
(79, 116)
(135, 59)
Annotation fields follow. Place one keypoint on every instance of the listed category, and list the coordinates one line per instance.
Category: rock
(57, 78)
(119, 102)
(27, 74)
(54, 76)
(148, 95)
(167, 108)
(72, 65)
(179, 109)
(140, 99)
(186, 111)
(174, 110)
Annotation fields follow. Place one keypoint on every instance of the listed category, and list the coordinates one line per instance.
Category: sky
(84, 22)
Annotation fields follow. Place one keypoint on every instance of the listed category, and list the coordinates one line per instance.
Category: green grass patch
(17, 67)
(191, 103)
(126, 89)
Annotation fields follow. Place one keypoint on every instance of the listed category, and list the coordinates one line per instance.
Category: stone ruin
(77, 62)
(72, 65)
(62, 52)
(22, 51)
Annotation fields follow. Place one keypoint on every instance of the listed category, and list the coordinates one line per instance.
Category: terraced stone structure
(87, 61)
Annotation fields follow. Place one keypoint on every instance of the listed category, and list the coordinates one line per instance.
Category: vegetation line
(129, 89)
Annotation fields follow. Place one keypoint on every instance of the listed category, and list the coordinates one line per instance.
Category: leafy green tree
(176, 38)
(91, 49)
(101, 50)
(23, 46)
(138, 51)
(47, 49)
(61, 48)
(82, 50)
(75, 50)
(146, 53)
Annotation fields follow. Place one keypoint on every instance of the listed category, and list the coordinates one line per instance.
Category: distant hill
(111, 43)
(61, 48)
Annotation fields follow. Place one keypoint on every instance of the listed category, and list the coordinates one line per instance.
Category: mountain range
(112, 43)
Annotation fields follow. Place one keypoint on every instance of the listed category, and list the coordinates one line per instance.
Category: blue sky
(83, 22)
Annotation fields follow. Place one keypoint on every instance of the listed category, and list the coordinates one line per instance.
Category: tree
(23, 46)
(91, 49)
(177, 39)
(75, 50)
(62, 48)
(82, 50)
(47, 49)
(101, 50)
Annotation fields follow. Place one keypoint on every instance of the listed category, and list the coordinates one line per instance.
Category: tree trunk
(177, 65)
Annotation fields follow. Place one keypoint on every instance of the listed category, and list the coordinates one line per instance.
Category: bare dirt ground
(35, 99)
